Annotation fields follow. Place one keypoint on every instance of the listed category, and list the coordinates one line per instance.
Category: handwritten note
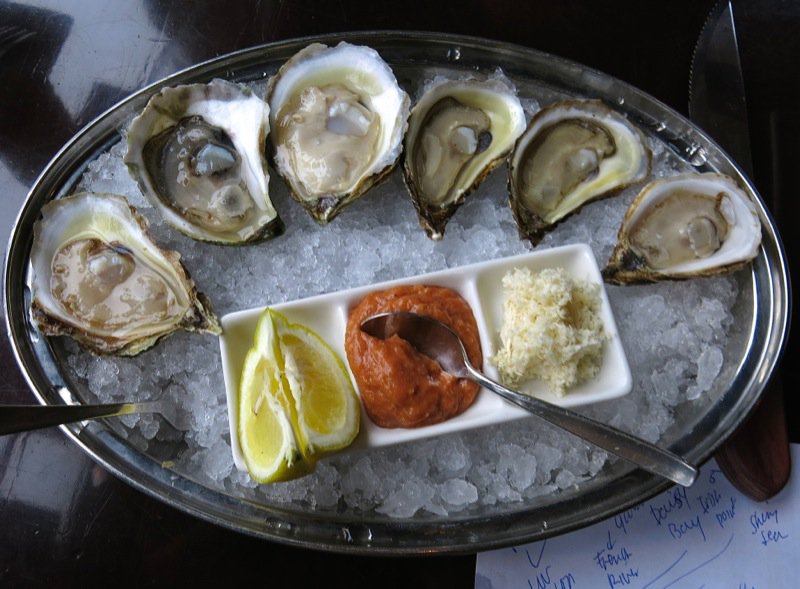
(706, 536)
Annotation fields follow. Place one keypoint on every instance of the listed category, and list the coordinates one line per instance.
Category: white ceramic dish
(480, 285)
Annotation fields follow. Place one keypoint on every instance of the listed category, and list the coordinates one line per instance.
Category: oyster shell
(198, 155)
(97, 277)
(338, 117)
(458, 132)
(572, 152)
(685, 226)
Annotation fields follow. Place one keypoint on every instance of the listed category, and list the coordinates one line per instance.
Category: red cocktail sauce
(399, 386)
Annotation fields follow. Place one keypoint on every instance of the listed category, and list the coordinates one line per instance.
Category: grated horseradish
(552, 329)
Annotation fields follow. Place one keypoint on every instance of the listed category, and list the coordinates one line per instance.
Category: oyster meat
(572, 152)
(97, 276)
(338, 117)
(198, 155)
(685, 226)
(458, 132)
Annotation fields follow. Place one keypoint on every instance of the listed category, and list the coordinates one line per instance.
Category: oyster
(571, 153)
(458, 132)
(98, 277)
(337, 117)
(198, 155)
(685, 226)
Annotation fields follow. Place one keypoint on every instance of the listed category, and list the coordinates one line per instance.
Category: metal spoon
(23, 418)
(434, 339)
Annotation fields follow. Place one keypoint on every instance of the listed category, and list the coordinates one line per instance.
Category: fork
(22, 418)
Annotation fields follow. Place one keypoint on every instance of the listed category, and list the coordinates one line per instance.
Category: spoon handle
(638, 451)
(21, 418)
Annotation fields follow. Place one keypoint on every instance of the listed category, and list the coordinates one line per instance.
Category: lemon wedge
(326, 406)
(296, 401)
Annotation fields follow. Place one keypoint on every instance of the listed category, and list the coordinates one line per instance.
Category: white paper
(706, 536)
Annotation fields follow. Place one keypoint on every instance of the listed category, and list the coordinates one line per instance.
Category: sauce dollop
(399, 386)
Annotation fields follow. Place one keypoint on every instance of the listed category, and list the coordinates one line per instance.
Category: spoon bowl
(437, 341)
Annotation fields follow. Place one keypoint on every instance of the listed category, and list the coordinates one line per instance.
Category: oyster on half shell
(97, 277)
(198, 155)
(572, 152)
(685, 226)
(458, 132)
(337, 117)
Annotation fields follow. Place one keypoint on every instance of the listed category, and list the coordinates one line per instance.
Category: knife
(716, 86)
(755, 458)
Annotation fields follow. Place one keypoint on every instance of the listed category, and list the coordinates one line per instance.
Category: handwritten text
(675, 500)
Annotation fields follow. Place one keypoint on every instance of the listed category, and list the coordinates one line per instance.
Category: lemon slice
(296, 401)
(326, 406)
(270, 448)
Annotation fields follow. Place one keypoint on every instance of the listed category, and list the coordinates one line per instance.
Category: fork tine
(11, 35)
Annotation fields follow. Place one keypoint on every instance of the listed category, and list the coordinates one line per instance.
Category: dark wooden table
(65, 521)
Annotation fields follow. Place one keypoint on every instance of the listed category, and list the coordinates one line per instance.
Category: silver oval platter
(718, 337)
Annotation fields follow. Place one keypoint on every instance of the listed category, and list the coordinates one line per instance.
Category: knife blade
(717, 99)
(755, 458)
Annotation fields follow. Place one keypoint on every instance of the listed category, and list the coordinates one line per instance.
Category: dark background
(65, 521)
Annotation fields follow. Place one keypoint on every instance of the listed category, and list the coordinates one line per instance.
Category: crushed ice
(673, 333)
